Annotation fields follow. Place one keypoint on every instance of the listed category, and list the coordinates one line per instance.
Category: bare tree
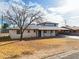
(21, 16)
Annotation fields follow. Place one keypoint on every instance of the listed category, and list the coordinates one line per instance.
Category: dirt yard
(36, 49)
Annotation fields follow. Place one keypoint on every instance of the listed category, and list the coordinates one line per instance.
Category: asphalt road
(72, 56)
(68, 55)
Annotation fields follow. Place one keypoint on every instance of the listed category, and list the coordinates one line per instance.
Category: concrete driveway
(74, 54)
(72, 37)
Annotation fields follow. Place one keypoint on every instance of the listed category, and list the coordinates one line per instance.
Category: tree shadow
(40, 38)
(7, 40)
(10, 41)
(7, 43)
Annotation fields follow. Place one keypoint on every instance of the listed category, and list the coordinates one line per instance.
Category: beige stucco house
(46, 29)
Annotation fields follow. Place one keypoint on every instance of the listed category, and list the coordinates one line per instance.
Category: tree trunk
(21, 36)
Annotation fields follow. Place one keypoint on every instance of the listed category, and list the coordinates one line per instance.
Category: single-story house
(36, 31)
(73, 30)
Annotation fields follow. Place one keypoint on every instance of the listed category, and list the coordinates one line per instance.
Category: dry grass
(19, 48)
(14, 49)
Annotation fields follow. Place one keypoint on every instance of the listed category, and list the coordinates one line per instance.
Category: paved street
(72, 56)
(68, 55)
(72, 37)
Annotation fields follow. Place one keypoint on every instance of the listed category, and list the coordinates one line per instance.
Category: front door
(39, 33)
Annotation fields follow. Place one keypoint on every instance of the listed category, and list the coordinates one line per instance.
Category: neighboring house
(41, 30)
(73, 30)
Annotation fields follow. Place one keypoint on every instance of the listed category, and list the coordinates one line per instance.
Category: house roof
(47, 23)
(72, 28)
(41, 28)
(51, 28)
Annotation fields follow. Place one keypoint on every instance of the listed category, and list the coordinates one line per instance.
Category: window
(54, 24)
(28, 31)
(34, 31)
(74, 31)
(18, 32)
(51, 31)
(45, 31)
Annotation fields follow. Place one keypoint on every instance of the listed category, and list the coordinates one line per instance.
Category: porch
(46, 33)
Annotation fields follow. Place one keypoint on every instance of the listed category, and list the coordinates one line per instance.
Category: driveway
(72, 37)
(74, 54)
(69, 36)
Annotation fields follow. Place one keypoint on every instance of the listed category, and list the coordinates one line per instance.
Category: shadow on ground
(9, 40)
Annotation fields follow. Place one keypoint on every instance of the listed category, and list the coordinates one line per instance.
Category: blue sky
(56, 10)
(45, 3)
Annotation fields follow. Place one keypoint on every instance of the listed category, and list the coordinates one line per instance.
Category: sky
(59, 11)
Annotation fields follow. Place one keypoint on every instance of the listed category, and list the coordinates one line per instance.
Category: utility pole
(65, 22)
(1, 23)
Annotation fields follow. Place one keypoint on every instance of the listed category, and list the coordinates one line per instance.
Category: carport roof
(73, 28)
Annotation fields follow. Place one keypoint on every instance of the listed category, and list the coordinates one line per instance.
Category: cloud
(5, 4)
(69, 10)
(75, 20)
(20, 2)
(70, 5)
(52, 17)
(3, 7)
